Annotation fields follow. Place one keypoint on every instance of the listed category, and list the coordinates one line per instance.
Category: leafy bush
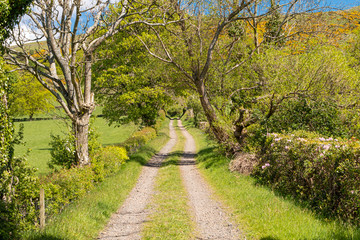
(108, 160)
(159, 121)
(63, 150)
(67, 185)
(162, 115)
(322, 173)
(61, 187)
(17, 212)
(139, 138)
(321, 116)
(199, 115)
(256, 138)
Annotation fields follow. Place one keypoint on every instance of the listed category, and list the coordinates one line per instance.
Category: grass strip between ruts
(170, 217)
(260, 213)
(85, 218)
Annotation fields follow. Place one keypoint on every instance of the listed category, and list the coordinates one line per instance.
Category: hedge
(60, 187)
(322, 173)
(139, 139)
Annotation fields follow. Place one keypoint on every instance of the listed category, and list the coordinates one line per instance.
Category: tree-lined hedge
(322, 173)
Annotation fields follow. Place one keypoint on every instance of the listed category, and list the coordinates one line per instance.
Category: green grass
(86, 218)
(260, 213)
(37, 138)
(170, 218)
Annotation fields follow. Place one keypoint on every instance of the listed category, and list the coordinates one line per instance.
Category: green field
(37, 138)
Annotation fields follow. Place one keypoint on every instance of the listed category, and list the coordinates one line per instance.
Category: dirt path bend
(212, 222)
(127, 222)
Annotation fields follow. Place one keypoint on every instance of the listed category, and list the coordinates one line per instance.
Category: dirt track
(127, 222)
(211, 221)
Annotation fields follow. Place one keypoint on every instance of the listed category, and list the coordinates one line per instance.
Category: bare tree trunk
(81, 129)
(219, 132)
(255, 29)
(240, 130)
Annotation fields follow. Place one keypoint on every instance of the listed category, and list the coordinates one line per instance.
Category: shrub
(321, 116)
(61, 188)
(63, 150)
(67, 185)
(108, 161)
(18, 213)
(139, 138)
(162, 115)
(256, 138)
(322, 173)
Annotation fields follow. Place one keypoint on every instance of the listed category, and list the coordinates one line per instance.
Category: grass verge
(170, 218)
(85, 218)
(37, 138)
(259, 211)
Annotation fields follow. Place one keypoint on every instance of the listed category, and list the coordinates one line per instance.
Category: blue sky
(344, 3)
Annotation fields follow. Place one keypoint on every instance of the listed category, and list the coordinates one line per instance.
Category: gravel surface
(212, 221)
(127, 222)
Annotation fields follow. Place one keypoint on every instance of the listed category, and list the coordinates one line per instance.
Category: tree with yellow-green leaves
(29, 98)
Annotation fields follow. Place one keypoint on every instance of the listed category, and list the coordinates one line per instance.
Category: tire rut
(211, 220)
(127, 222)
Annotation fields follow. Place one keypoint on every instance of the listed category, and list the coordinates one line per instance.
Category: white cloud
(30, 33)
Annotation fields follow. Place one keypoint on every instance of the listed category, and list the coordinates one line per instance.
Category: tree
(207, 57)
(16, 179)
(274, 25)
(29, 97)
(73, 31)
(10, 11)
(128, 88)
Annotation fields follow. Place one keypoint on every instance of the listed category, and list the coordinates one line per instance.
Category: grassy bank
(170, 218)
(37, 138)
(85, 218)
(260, 213)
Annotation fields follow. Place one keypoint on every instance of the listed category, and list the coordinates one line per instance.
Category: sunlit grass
(170, 218)
(37, 138)
(260, 213)
(86, 218)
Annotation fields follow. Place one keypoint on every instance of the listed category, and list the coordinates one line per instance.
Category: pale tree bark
(254, 24)
(72, 31)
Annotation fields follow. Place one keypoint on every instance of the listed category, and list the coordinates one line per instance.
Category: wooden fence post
(42, 208)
